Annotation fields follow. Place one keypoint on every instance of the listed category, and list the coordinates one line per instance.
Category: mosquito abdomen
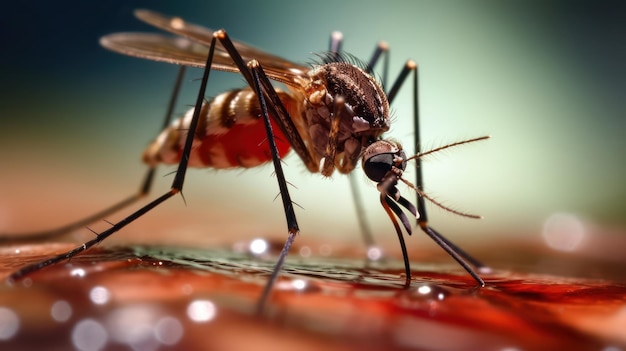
(230, 134)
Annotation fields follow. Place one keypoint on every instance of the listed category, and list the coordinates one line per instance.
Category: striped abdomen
(230, 134)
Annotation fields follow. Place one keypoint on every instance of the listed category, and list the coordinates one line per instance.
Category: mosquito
(333, 115)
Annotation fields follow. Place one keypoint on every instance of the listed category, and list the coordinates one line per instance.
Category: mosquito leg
(382, 49)
(409, 66)
(387, 204)
(366, 230)
(292, 224)
(334, 46)
(174, 97)
(462, 257)
(177, 186)
(327, 165)
(144, 189)
(256, 78)
(452, 250)
(471, 260)
(52, 233)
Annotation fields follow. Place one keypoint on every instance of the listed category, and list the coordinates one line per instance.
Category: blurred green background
(546, 79)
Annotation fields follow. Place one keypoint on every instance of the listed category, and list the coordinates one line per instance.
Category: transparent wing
(204, 35)
(158, 47)
(192, 49)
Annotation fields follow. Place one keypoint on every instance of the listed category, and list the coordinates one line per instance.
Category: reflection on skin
(168, 330)
(89, 334)
(99, 295)
(374, 253)
(564, 232)
(140, 326)
(61, 311)
(299, 285)
(258, 247)
(9, 323)
(78, 272)
(428, 291)
(201, 311)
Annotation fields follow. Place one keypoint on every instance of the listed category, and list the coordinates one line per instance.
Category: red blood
(242, 144)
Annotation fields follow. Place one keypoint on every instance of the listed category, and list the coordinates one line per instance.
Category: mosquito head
(382, 157)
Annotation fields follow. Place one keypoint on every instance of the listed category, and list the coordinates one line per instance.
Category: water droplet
(201, 311)
(424, 293)
(258, 247)
(298, 285)
(431, 292)
(78, 272)
(563, 232)
(89, 335)
(9, 323)
(133, 325)
(485, 270)
(305, 251)
(168, 330)
(374, 253)
(61, 311)
(99, 295)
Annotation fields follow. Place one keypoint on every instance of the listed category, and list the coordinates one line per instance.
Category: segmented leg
(463, 258)
(292, 224)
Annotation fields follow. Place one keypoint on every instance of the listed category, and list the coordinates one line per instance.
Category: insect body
(332, 115)
(230, 129)
(230, 134)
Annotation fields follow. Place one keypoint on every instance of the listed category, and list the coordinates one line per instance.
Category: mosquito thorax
(381, 157)
(365, 113)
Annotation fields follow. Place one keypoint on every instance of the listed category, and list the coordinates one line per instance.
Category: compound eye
(377, 166)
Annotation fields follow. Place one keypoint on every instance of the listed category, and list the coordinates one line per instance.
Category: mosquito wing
(192, 49)
(204, 35)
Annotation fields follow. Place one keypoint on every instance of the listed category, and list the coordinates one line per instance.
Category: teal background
(546, 79)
